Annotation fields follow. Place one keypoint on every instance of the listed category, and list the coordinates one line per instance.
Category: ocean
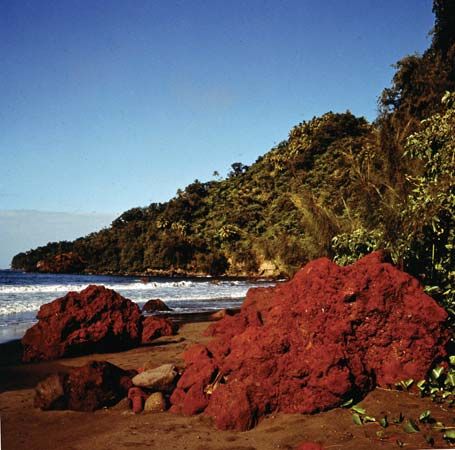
(21, 294)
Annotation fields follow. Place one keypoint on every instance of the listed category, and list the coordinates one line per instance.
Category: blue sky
(106, 105)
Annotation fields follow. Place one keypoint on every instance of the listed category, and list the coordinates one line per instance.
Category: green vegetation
(337, 187)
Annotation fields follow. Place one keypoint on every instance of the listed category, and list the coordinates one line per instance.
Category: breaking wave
(21, 295)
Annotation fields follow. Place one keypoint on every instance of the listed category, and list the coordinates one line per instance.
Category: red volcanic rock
(155, 305)
(329, 334)
(96, 319)
(137, 397)
(155, 327)
(93, 386)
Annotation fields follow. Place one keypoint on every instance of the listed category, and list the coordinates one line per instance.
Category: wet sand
(24, 427)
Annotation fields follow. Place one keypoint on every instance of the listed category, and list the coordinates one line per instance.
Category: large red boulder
(96, 319)
(329, 334)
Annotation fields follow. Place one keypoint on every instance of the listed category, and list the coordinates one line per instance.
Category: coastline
(13, 333)
(174, 274)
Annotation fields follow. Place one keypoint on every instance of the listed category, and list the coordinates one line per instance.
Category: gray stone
(159, 379)
(155, 403)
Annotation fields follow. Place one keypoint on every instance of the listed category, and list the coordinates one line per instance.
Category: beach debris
(210, 388)
(155, 403)
(50, 393)
(331, 333)
(155, 305)
(158, 379)
(155, 327)
(87, 388)
(94, 320)
(137, 397)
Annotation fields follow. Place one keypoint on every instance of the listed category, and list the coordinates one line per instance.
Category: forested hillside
(338, 186)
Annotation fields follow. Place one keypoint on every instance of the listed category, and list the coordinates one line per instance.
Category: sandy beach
(24, 427)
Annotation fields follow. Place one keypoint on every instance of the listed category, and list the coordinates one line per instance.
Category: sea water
(22, 294)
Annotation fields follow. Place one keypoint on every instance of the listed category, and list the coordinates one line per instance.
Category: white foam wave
(135, 286)
(25, 300)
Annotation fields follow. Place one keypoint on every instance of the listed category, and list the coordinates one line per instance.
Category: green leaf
(384, 422)
(421, 384)
(411, 427)
(369, 419)
(356, 419)
(406, 384)
(450, 380)
(425, 416)
(452, 360)
(347, 403)
(449, 435)
(437, 372)
(358, 409)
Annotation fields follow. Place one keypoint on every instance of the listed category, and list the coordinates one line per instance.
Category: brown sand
(24, 427)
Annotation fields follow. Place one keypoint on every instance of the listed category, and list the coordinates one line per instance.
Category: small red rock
(155, 305)
(137, 397)
(155, 327)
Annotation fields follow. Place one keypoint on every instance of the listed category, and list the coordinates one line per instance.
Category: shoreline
(12, 333)
(171, 274)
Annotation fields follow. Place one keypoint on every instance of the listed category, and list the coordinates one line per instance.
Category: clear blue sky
(106, 105)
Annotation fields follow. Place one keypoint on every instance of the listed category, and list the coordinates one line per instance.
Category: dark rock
(50, 393)
(96, 319)
(155, 305)
(93, 386)
(155, 327)
(96, 385)
(329, 334)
